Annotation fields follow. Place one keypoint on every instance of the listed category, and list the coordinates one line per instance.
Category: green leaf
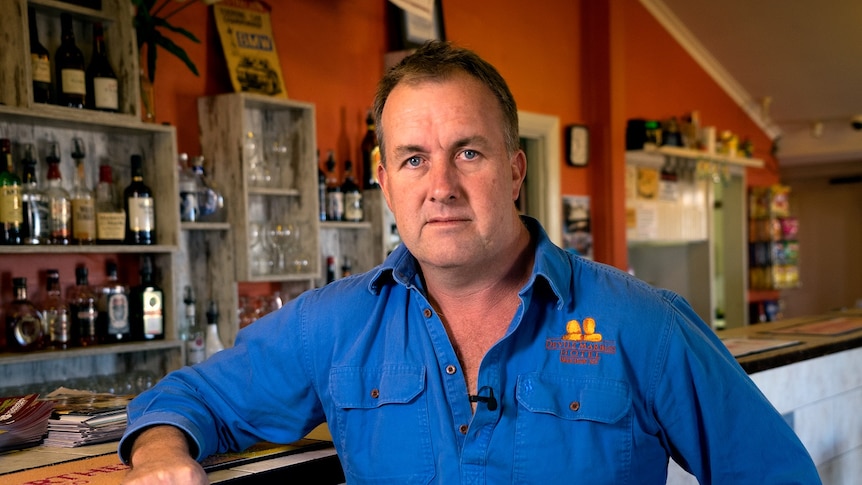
(176, 50)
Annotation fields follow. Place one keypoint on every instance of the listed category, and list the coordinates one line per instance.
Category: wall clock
(578, 145)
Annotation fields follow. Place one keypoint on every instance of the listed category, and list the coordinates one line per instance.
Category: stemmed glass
(282, 236)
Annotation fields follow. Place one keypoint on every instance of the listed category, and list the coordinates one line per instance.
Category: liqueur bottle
(113, 306)
(102, 90)
(11, 210)
(40, 63)
(83, 309)
(82, 200)
(110, 217)
(321, 193)
(146, 310)
(55, 313)
(140, 208)
(352, 195)
(330, 269)
(193, 333)
(34, 229)
(213, 342)
(370, 155)
(23, 321)
(57, 200)
(69, 64)
(334, 196)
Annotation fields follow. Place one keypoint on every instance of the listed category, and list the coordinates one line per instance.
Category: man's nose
(443, 180)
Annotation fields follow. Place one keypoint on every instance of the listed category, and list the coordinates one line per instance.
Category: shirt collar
(551, 266)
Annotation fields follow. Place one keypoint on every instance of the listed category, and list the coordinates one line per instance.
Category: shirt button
(574, 405)
(463, 429)
(450, 369)
(375, 393)
(427, 313)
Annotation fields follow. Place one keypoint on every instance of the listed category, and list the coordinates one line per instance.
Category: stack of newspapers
(85, 418)
(23, 421)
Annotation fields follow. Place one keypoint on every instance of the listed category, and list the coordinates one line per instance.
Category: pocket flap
(573, 398)
(361, 387)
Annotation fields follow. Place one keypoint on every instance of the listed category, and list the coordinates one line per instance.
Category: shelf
(52, 116)
(105, 349)
(278, 192)
(89, 14)
(345, 225)
(669, 151)
(90, 249)
(205, 226)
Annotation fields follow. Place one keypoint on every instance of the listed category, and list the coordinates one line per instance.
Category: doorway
(540, 196)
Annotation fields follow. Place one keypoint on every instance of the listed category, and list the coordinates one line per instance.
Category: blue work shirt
(598, 379)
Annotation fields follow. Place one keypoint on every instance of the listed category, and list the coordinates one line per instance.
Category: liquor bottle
(102, 90)
(370, 154)
(113, 306)
(83, 309)
(346, 268)
(83, 202)
(23, 321)
(140, 208)
(57, 200)
(334, 196)
(146, 306)
(55, 313)
(352, 195)
(214, 343)
(34, 227)
(193, 332)
(110, 217)
(210, 199)
(321, 193)
(11, 210)
(330, 269)
(40, 63)
(69, 64)
(189, 210)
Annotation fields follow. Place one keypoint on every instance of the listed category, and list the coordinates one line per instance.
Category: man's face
(448, 178)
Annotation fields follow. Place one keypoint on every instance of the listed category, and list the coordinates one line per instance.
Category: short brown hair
(436, 60)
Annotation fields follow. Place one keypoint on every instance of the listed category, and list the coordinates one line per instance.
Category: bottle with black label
(146, 305)
(69, 64)
(40, 62)
(24, 331)
(334, 195)
(102, 85)
(370, 155)
(83, 310)
(113, 323)
(140, 208)
(192, 331)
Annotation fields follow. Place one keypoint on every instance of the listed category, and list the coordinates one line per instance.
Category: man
(478, 352)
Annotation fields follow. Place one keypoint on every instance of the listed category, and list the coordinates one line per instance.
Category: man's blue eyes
(414, 161)
(470, 154)
(466, 154)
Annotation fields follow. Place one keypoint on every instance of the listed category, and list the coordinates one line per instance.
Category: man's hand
(160, 455)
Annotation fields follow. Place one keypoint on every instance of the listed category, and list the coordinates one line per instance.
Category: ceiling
(794, 66)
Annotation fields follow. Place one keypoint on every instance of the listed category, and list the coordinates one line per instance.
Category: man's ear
(519, 172)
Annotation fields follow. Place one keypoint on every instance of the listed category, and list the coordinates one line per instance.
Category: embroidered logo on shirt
(581, 345)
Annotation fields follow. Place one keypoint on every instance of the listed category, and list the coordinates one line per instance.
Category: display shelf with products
(16, 77)
(685, 218)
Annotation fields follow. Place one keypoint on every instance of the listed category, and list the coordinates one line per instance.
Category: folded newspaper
(85, 418)
(23, 421)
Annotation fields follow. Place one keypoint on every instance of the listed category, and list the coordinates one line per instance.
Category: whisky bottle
(23, 321)
(110, 217)
(69, 64)
(83, 310)
(140, 208)
(57, 200)
(55, 313)
(330, 269)
(40, 62)
(82, 200)
(34, 227)
(102, 90)
(370, 154)
(11, 210)
(113, 307)
(146, 310)
(334, 196)
(352, 195)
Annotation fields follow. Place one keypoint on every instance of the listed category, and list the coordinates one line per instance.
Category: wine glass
(281, 235)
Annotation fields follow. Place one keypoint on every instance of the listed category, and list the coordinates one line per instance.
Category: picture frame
(577, 145)
(409, 31)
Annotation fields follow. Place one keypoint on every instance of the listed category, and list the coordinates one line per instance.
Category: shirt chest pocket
(588, 419)
(383, 412)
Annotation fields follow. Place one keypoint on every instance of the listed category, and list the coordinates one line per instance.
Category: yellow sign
(249, 48)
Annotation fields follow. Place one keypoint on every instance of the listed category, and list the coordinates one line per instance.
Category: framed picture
(409, 30)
